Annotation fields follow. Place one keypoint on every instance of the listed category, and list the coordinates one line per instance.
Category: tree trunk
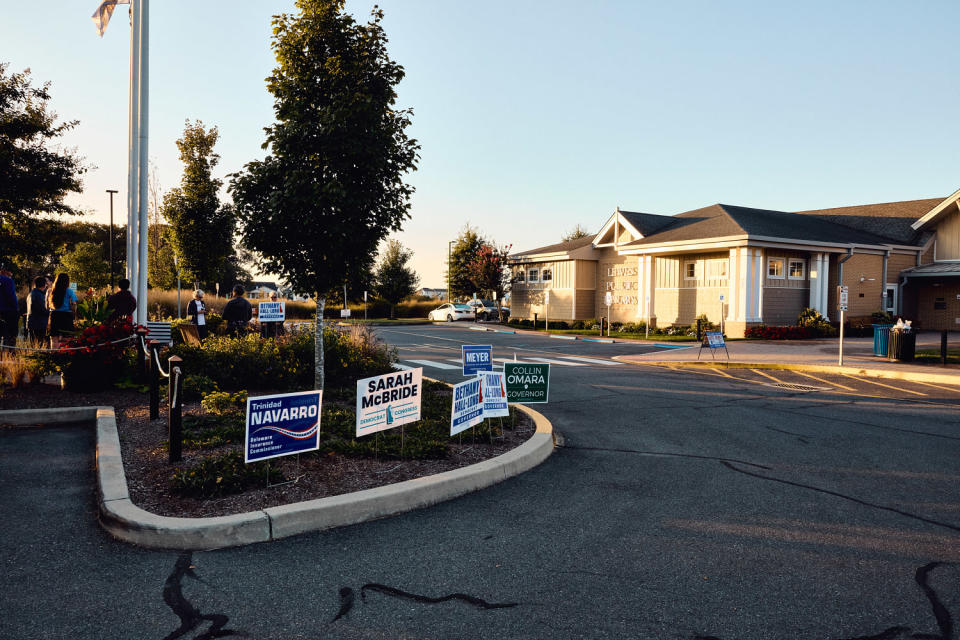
(393, 311)
(318, 345)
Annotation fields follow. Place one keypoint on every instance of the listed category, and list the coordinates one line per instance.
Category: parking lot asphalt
(697, 504)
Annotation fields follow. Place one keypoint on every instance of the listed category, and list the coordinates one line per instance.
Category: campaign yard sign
(467, 407)
(388, 401)
(715, 340)
(282, 424)
(527, 382)
(494, 394)
(271, 312)
(476, 358)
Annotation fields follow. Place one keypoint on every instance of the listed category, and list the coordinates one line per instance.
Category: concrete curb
(126, 521)
(916, 376)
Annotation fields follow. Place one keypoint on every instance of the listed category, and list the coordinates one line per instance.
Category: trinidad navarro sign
(527, 382)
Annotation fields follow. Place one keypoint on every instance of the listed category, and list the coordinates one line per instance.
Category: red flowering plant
(93, 359)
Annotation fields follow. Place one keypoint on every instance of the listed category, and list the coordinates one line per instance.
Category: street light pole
(449, 257)
(111, 192)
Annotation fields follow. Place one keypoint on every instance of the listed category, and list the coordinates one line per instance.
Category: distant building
(439, 294)
(753, 266)
(261, 290)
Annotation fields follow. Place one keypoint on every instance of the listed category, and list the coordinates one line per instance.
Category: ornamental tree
(393, 279)
(332, 184)
(489, 272)
(464, 250)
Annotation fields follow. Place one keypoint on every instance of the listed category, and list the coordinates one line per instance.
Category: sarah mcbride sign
(388, 401)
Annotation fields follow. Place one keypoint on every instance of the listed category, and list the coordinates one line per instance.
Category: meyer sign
(388, 401)
(467, 409)
(476, 358)
(527, 382)
(494, 395)
(271, 312)
(283, 424)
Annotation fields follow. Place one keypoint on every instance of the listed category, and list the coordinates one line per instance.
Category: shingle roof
(724, 220)
(555, 248)
(888, 219)
(647, 223)
(934, 269)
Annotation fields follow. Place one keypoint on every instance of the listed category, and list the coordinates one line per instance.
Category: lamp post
(449, 257)
(111, 192)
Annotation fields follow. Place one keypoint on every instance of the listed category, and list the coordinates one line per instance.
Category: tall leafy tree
(87, 265)
(201, 227)
(332, 185)
(464, 250)
(35, 175)
(489, 272)
(576, 233)
(394, 280)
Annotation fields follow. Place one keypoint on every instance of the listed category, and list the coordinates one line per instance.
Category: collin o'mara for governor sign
(388, 401)
(282, 424)
(527, 382)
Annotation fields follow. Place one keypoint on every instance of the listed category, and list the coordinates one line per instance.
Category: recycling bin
(881, 339)
(902, 345)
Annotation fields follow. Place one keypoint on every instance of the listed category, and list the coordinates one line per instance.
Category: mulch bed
(148, 472)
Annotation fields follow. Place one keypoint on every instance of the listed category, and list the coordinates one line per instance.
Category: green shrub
(211, 431)
(222, 475)
(221, 403)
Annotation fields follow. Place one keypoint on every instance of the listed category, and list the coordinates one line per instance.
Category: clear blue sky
(536, 116)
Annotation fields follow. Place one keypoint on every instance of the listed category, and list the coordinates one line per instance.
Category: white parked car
(450, 312)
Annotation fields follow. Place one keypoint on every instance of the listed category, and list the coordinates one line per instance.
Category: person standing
(37, 314)
(122, 304)
(197, 312)
(9, 310)
(237, 312)
(62, 304)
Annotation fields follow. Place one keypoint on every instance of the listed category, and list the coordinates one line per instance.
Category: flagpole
(134, 140)
(143, 170)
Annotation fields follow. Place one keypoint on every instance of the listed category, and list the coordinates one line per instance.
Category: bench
(160, 331)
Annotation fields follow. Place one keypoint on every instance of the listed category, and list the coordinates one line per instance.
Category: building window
(521, 277)
(717, 269)
(533, 275)
(797, 269)
(547, 275)
(775, 268)
(689, 270)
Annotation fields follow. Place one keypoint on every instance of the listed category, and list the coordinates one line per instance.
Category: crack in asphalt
(859, 422)
(406, 595)
(347, 598)
(940, 614)
(800, 436)
(872, 505)
(190, 616)
(665, 455)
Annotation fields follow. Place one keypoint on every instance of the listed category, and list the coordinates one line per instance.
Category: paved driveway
(683, 505)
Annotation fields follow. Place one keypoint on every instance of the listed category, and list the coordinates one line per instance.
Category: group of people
(237, 313)
(51, 307)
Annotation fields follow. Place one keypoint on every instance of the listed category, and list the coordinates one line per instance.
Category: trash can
(881, 339)
(902, 346)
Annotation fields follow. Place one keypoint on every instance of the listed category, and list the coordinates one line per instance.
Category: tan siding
(563, 274)
(667, 272)
(667, 307)
(586, 274)
(865, 296)
(927, 317)
(586, 302)
(927, 256)
(948, 237)
(786, 282)
(618, 275)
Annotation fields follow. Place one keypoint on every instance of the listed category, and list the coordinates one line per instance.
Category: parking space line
(609, 363)
(767, 375)
(880, 384)
(835, 384)
(434, 363)
(724, 373)
(937, 386)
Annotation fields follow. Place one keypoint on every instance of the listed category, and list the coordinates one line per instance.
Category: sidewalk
(810, 355)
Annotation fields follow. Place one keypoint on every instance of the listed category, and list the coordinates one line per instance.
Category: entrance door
(890, 298)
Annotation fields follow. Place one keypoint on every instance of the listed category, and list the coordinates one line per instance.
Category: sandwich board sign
(467, 409)
(476, 358)
(282, 424)
(271, 312)
(527, 382)
(388, 401)
(494, 394)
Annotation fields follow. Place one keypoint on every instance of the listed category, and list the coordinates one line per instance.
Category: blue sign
(477, 358)
(271, 312)
(467, 408)
(715, 340)
(282, 424)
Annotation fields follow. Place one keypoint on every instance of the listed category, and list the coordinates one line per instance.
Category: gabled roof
(560, 247)
(725, 221)
(893, 220)
(647, 223)
(943, 207)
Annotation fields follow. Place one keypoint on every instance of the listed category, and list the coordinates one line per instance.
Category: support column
(651, 281)
(641, 287)
(746, 285)
(816, 261)
(760, 275)
(732, 272)
(825, 287)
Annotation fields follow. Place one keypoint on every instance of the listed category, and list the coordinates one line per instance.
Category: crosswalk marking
(552, 361)
(459, 361)
(609, 363)
(434, 363)
(401, 367)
